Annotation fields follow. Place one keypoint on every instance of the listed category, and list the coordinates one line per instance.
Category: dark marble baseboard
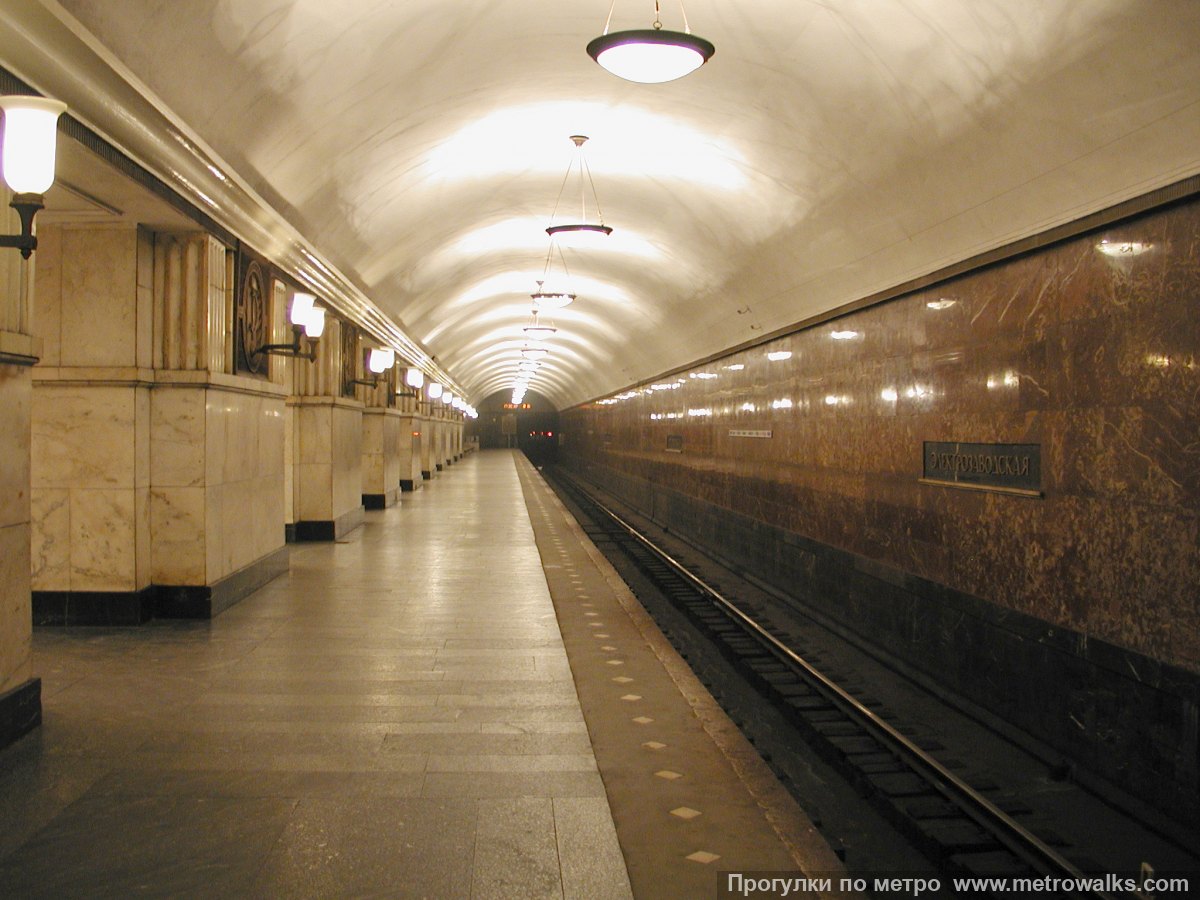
(426, 474)
(439, 466)
(1128, 719)
(209, 601)
(165, 601)
(93, 607)
(329, 530)
(408, 485)
(381, 501)
(20, 711)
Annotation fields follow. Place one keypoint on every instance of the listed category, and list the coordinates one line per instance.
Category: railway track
(956, 825)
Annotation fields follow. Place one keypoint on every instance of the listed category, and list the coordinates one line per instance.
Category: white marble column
(382, 423)
(426, 439)
(157, 473)
(20, 691)
(91, 425)
(408, 442)
(327, 443)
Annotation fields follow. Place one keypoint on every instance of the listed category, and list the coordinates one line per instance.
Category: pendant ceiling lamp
(544, 299)
(538, 331)
(650, 55)
(534, 352)
(581, 228)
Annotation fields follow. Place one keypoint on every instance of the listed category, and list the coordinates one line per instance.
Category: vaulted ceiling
(830, 149)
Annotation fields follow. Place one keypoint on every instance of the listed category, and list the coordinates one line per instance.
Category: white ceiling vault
(830, 149)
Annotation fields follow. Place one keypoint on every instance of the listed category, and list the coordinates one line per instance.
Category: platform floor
(396, 717)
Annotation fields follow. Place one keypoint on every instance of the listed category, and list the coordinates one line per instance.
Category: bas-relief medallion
(252, 320)
(349, 376)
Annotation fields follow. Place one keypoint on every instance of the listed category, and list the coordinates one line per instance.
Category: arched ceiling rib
(828, 150)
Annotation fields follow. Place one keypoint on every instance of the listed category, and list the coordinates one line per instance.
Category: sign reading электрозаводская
(1012, 468)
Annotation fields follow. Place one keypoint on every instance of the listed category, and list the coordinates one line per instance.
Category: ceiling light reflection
(637, 143)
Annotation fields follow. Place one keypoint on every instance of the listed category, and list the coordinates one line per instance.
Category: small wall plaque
(1005, 468)
(746, 433)
(674, 443)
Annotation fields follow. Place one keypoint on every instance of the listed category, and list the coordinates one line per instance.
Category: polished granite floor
(394, 718)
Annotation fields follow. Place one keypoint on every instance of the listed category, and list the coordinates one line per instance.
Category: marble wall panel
(241, 526)
(16, 401)
(100, 310)
(177, 523)
(143, 564)
(144, 292)
(380, 451)
(83, 436)
(271, 449)
(50, 547)
(214, 536)
(289, 457)
(104, 540)
(408, 451)
(346, 445)
(372, 452)
(429, 448)
(316, 492)
(15, 618)
(315, 431)
(47, 312)
(16, 390)
(177, 437)
(1088, 348)
(392, 430)
(237, 450)
(141, 437)
(244, 500)
(269, 513)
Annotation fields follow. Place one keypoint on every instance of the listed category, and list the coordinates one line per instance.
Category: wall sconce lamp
(413, 379)
(308, 324)
(378, 362)
(30, 136)
(433, 390)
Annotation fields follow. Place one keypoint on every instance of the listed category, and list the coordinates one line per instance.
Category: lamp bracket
(27, 206)
(301, 347)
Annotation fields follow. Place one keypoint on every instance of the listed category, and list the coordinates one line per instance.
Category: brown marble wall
(1090, 348)
(1075, 615)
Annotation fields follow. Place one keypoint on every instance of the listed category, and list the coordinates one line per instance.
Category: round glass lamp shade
(535, 353)
(414, 378)
(30, 138)
(379, 361)
(552, 299)
(433, 390)
(650, 56)
(302, 307)
(314, 327)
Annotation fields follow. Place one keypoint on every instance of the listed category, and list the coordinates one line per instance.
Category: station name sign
(1006, 468)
